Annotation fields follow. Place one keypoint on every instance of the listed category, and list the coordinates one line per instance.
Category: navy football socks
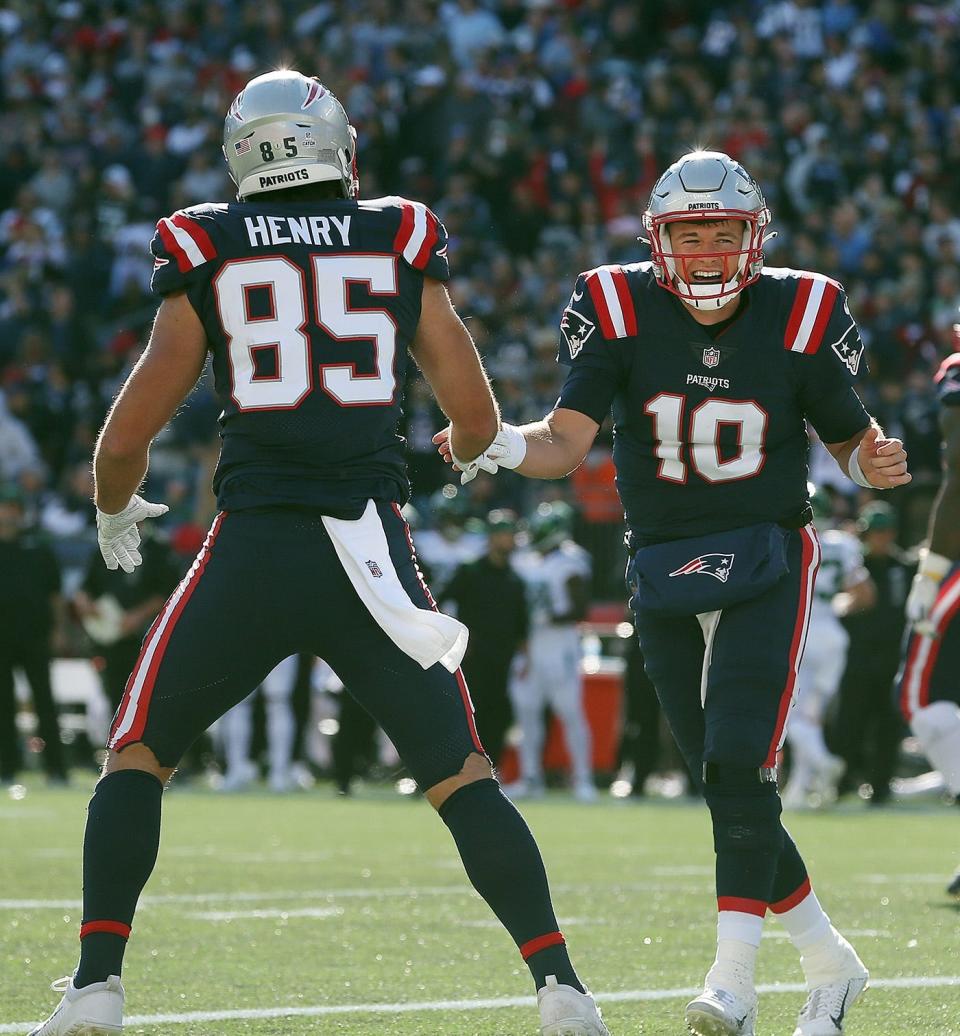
(119, 852)
(503, 863)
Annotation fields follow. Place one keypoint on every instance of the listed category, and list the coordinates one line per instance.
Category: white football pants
(553, 678)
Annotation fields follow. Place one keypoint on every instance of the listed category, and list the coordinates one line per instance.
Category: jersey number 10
(282, 329)
(706, 420)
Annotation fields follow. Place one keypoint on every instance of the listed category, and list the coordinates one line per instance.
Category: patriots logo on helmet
(716, 565)
(576, 329)
(849, 348)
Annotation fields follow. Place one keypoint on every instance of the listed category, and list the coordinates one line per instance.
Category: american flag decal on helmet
(242, 147)
(716, 565)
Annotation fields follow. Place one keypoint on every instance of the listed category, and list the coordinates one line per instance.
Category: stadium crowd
(534, 129)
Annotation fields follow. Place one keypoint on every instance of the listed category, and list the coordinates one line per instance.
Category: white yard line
(363, 892)
(851, 933)
(267, 915)
(909, 879)
(325, 1010)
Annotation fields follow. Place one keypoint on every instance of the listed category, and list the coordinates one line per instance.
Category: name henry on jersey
(297, 230)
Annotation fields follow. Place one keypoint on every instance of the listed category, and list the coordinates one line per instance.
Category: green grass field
(309, 914)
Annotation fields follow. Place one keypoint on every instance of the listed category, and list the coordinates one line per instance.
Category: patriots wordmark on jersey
(309, 309)
(710, 428)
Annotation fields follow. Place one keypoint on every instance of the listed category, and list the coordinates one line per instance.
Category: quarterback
(712, 364)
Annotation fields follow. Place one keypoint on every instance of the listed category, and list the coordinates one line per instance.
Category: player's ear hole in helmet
(704, 189)
(285, 130)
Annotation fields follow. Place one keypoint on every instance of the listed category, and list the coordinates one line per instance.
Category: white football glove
(119, 536)
(926, 586)
(507, 450)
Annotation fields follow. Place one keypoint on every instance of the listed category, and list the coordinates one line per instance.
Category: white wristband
(856, 472)
(513, 443)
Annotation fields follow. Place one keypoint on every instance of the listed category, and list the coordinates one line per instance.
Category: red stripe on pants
(142, 706)
(809, 559)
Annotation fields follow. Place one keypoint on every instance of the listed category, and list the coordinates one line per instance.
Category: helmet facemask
(673, 268)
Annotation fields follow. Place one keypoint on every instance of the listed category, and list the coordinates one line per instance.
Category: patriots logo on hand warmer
(716, 565)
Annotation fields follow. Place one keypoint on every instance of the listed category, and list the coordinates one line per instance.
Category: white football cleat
(720, 1012)
(826, 1008)
(565, 1011)
(94, 1010)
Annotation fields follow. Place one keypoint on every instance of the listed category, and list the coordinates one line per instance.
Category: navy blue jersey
(947, 380)
(309, 309)
(710, 433)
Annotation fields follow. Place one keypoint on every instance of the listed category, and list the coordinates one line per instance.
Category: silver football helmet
(706, 186)
(283, 130)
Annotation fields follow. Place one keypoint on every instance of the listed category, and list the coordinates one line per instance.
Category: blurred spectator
(534, 128)
(116, 608)
(489, 597)
(30, 606)
(866, 728)
(18, 451)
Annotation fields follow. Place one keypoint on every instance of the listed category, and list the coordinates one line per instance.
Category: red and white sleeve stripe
(186, 241)
(417, 234)
(613, 302)
(810, 314)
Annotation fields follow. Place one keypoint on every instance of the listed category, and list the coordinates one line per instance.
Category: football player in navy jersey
(308, 300)
(929, 685)
(713, 364)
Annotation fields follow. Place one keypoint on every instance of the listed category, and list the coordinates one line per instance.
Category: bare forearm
(117, 476)
(470, 439)
(945, 518)
(549, 455)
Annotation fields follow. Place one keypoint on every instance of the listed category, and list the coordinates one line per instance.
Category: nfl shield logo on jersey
(711, 357)
(375, 570)
(716, 565)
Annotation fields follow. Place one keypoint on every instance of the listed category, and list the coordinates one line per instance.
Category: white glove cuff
(856, 472)
(933, 565)
(124, 512)
(514, 446)
(464, 465)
